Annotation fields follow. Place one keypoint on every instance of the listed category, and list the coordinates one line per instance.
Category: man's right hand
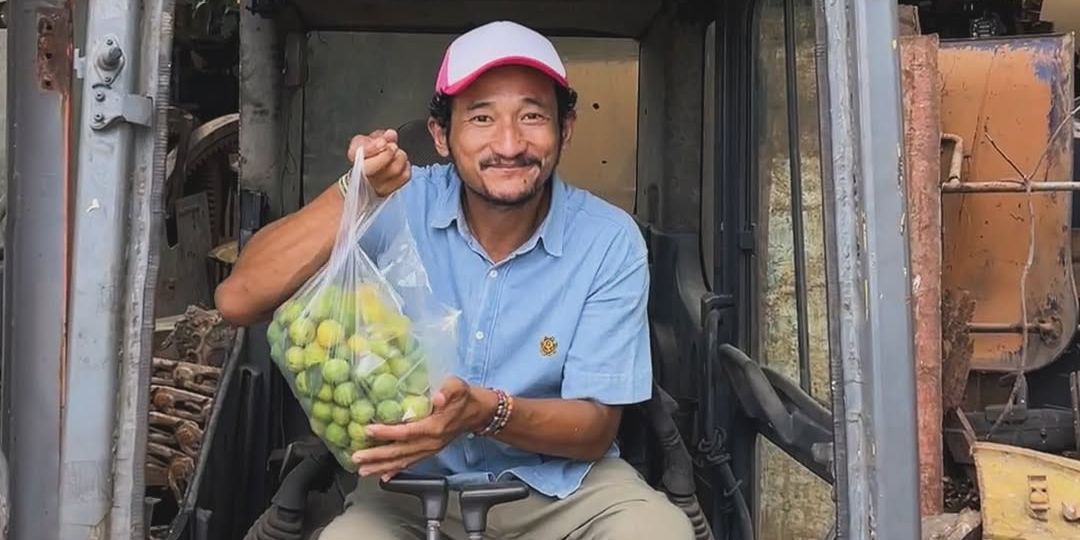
(387, 167)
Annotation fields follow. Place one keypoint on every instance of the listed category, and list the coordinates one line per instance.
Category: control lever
(476, 500)
(432, 492)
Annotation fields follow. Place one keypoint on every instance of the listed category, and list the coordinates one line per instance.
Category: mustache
(523, 160)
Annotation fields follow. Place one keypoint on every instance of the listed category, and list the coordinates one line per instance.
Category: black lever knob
(432, 491)
(477, 499)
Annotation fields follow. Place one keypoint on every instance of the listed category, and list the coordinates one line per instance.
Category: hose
(690, 506)
(678, 477)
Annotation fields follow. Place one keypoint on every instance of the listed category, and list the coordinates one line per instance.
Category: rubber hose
(690, 506)
(746, 524)
(678, 478)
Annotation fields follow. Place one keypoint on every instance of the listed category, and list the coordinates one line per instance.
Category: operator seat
(415, 140)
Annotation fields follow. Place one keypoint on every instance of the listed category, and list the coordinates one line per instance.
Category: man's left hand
(456, 409)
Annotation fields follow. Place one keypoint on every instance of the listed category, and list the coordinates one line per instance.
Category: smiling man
(552, 283)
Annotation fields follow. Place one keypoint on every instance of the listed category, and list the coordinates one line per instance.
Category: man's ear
(438, 136)
(568, 128)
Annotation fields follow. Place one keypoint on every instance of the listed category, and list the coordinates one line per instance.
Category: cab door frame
(875, 463)
(871, 342)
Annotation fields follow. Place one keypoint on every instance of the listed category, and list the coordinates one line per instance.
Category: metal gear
(206, 167)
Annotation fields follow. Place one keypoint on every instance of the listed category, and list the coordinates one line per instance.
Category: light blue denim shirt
(563, 316)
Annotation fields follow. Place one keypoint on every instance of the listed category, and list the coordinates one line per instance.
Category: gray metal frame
(34, 259)
(869, 289)
(82, 267)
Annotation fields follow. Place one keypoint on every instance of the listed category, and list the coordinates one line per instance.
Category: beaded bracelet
(343, 184)
(503, 408)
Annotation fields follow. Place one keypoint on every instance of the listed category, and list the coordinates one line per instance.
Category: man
(552, 283)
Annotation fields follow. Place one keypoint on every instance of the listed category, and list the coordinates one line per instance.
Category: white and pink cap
(495, 44)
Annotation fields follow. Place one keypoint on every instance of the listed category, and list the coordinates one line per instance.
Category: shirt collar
(447, 211)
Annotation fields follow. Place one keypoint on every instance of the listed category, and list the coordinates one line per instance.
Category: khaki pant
(614, 503)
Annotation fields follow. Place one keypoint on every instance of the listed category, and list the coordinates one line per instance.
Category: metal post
(869, 287)
(114, 222)
(142, 236)
(36, 261)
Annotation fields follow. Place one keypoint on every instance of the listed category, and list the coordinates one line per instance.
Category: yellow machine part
(1026, 494)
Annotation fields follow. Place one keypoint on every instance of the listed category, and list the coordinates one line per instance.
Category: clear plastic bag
(363, 341)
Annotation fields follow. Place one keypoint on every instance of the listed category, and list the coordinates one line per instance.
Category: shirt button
(493, 274)
(479, 335)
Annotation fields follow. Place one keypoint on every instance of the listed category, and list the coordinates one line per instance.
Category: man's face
(504, 135)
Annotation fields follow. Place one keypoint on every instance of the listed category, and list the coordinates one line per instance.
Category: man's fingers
(401, 432)
(392, 466)
(372, 145)
(375, 166)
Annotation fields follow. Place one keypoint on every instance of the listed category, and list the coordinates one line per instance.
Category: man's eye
(534, 117)
(481, 119)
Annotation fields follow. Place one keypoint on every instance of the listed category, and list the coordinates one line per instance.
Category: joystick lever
(432, 492)
(478, 499)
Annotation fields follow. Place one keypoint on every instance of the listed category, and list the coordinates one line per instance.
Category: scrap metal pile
(187, 370)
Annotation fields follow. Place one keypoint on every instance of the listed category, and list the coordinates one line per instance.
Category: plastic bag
(364, 342)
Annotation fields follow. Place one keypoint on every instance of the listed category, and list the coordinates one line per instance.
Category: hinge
(747, 239)
(111, 107)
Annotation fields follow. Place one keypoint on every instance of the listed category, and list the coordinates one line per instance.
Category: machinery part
(477, 500)
(1027, 494)
(185, 375)
(989, 251)
(785, 414)
(432, 492)
(1045, 430)
(213, 140)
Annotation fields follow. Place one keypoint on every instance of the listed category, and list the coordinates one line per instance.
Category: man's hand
(456, 409)
(386, 166)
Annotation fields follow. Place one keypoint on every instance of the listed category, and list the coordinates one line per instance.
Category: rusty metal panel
(1007, 98)
(922, 171)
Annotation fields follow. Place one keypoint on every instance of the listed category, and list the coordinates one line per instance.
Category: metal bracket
(109, 105)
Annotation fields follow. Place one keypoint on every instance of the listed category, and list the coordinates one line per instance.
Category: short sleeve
(609, 360)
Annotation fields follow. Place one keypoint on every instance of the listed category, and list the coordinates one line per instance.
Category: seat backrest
(415, 140)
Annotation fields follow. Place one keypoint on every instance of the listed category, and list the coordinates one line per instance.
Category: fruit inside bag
(363, 341)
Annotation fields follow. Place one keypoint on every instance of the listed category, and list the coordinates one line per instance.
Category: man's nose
(509, 140)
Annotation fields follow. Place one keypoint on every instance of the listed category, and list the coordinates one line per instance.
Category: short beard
(518, 201)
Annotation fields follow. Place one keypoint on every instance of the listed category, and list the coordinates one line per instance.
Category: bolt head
(100, 96)
(110, 42)
(99, 117)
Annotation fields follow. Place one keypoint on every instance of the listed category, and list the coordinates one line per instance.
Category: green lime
(314, 355)
(337, 435)
(341, 415)
(345, 393)
(295, 359)
(326, 393)
(384, 387)
(362, 411)
(336, 371)
(389, 412)
(302, 331)
(415, 407)
(323, 411)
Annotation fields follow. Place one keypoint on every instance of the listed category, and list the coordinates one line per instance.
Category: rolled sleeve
(609, 360)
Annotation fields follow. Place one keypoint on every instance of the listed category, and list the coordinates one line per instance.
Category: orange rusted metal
(922, 172)
(1009, 99)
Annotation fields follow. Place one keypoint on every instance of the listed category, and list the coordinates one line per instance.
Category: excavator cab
(759, 144)
(665, 94)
